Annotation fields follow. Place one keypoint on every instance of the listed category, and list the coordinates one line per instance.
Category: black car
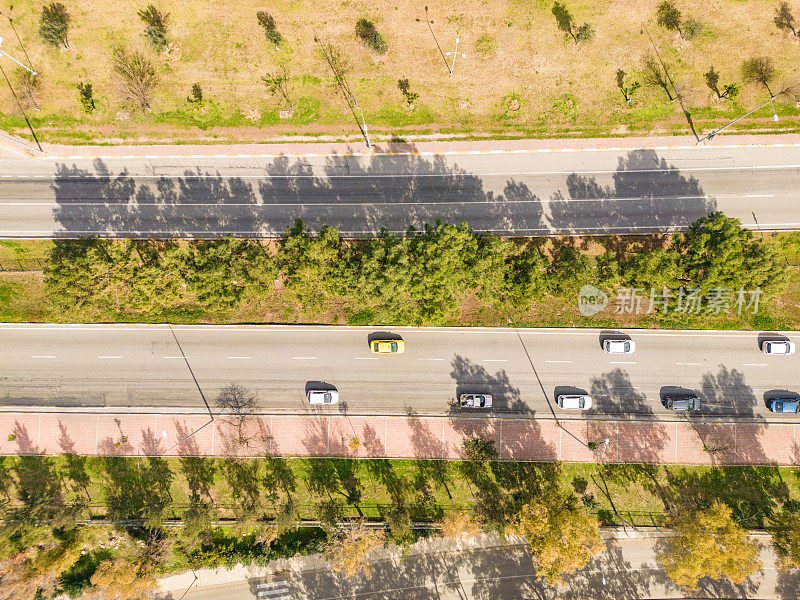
(688, 402)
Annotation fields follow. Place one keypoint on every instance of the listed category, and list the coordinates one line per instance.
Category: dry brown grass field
(520, 76)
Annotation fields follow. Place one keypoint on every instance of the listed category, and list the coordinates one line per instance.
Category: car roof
(785, 401)
(570, 400)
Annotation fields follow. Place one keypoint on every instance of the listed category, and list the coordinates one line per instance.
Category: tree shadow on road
(644, 188)
(788, 586)
(387, 191)
(471, 377)
(610, 577)
(360, 196)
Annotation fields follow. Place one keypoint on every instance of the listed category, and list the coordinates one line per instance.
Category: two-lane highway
(509, 193)
(153, 368)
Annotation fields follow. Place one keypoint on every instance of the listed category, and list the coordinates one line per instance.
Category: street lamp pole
(363, 120)
(455, 55)
(605, 445)
(14, 59)
(716, 131)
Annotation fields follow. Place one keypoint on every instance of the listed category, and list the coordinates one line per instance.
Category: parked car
(387, 347)
(475, 401)
(574, 401)
(777, 347)
(619, 346)
(322, 396)
(784, 405)
(688, 402)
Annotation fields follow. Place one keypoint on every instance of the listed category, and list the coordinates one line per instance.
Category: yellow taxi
(387, 347)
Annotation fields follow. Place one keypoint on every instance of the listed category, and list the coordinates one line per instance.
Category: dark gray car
(689, 402)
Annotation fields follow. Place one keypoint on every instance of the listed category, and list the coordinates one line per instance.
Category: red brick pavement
(682, 442)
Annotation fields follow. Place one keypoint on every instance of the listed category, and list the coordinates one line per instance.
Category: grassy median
(311, 279)
(521, 75)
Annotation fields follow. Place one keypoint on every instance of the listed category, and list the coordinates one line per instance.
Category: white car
(475, 401)
(322, 396)
(574, 401)
(619, 346)
(784, 347)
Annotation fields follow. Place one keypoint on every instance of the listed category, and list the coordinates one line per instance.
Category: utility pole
(13, 93)
(14, 59)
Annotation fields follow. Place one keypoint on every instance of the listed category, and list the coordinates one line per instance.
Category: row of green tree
(418, 278)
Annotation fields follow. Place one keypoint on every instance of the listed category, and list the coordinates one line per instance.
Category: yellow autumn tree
(709, 543)
(131, 574)
(562, 535)
(461, 524)
(349, 551)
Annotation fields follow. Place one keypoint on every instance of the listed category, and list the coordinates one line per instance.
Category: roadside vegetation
(109, 526)
(538, 68)
(441, 275)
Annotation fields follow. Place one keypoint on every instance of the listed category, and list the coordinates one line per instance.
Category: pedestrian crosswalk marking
(273, 590)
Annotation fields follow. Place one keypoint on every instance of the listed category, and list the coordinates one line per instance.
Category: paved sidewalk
(683, 442)
(295, 146)
(486, 567)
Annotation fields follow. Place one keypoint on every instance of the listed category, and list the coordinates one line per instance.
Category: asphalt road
(152, 368)
(525, 193)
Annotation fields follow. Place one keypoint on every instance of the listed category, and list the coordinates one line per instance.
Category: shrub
(584, 33)
(85, 97)
(366, 32)
(626, 88)
(137, 77)
(760, 71)
(156, 31)
(267, 22)
(405, 88)
(486, 45)
(54, 24)
(197, 94)
(567, 24)
(32, 84)
(729, 91)
(692, 29)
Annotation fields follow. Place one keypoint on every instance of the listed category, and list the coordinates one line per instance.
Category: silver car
(322, 396)
(574, 401)
(618, 346)
(777, 347)
(475, 401)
